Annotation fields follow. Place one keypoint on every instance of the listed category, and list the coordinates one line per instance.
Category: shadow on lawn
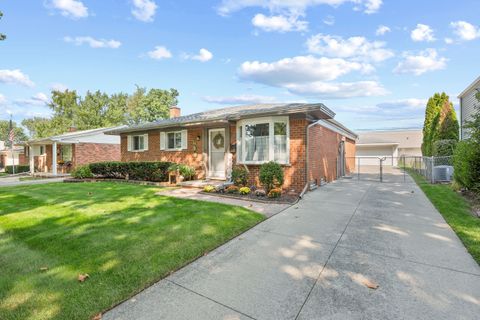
(123, 249)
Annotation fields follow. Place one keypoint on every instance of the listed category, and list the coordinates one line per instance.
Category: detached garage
(390, 145)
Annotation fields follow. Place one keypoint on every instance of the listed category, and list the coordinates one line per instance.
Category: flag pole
(12, 137)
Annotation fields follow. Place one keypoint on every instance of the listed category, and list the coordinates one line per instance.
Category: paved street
(317, 259)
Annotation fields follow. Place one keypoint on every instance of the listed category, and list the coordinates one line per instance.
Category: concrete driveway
(316, 260)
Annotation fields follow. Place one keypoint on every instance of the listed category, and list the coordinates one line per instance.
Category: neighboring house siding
(84, 153)
(187, 156)
(467, 105)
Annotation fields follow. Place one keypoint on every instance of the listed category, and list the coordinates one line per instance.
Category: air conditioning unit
(443, 173)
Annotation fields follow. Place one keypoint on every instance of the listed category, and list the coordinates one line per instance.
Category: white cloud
(74, 9)
(203, 56)
(422, 32)
(298, 69)
(15, 77)
(410, 103)
(3, 100)
(382, 30)
(39, 99)
(58, 87)
(144, 10)
(94, 43)
(425, 61)
(448, 40)
(355, 47)
(279, 23)
(229, 6)
(159, 53)
(240, 99)
(310, 76)
(329, 20)
(340, 90)
(465, 31)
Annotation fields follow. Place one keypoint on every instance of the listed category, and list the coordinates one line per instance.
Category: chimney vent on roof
(174, 112)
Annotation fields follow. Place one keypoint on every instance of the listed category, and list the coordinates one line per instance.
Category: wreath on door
(218, 141)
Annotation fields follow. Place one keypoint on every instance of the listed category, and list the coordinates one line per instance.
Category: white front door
(216, 154)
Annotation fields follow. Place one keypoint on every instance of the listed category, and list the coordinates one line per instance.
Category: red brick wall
(84, 153)
(323, 153)
(188, 156)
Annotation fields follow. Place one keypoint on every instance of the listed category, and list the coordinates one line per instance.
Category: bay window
(263, 139)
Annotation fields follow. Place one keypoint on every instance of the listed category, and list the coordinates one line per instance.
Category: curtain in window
(256, 142)
(280, 142)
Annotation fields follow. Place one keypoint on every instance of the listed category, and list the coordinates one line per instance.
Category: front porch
(202, 183)
(51, 158)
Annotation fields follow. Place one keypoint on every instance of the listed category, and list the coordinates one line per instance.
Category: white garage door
(371, 155)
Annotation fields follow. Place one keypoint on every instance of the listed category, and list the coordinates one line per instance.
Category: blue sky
(373, 62)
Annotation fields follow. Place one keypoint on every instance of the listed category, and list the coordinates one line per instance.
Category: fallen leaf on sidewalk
(370, 284)
(97, 317)
(43, 268)
(83, 277)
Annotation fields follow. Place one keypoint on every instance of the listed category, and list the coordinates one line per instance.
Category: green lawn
(456, 211)
(124, 236)
(2, 174)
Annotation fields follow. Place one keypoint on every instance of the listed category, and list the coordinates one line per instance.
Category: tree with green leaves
(151, 106)
(440, 122)
(20, 135)
(2, 36)
(38, 127)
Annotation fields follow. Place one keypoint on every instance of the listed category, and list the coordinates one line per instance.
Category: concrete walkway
(267, 209)
(316, 260)
(15, 181)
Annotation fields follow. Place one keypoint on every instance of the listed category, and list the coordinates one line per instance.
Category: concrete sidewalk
(15, 181)
(314, 261)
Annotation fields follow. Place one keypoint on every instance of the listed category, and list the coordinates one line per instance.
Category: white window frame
(271, 140)
(131, 144)
(164, 140)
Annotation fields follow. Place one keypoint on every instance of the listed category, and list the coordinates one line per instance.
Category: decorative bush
(145, 171)
(186, 171)
(275, 193)
(239, 176)
(244, 190)
(82, 172)
(443, 148)
(18, 169)
(232, 189)
(271, 175)
(466, 163)
(209, 188)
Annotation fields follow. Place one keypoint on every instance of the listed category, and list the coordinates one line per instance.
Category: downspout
(306, 160)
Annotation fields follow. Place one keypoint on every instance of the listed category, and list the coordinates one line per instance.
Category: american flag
(11, 134)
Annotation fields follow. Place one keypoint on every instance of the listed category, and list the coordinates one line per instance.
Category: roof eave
(471, 86)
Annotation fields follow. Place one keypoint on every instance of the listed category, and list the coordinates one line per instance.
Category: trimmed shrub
(144, 171)
(275, 193)
(466, 163)
(18, 169)
(244, 190)
(82, 172)
(239, 176)
(186, 171)
(260, 193)
(209, 188)
(232, 189)
(442, 148)
(271, 175)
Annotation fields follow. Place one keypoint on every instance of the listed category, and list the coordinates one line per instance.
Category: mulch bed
(283, 199)
(474, 201)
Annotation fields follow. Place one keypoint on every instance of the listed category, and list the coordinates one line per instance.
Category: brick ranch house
(303, 138)
(9, 157)
(60, 154)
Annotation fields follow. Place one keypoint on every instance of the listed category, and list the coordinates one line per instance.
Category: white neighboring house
(389, 144)
(468, 101)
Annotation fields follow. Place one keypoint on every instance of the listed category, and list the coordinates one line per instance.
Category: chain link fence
(393, 169)
(433, 169)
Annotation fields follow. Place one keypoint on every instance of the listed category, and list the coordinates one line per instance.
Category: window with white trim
(137, 143)
(173, 140)
(263, 139)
